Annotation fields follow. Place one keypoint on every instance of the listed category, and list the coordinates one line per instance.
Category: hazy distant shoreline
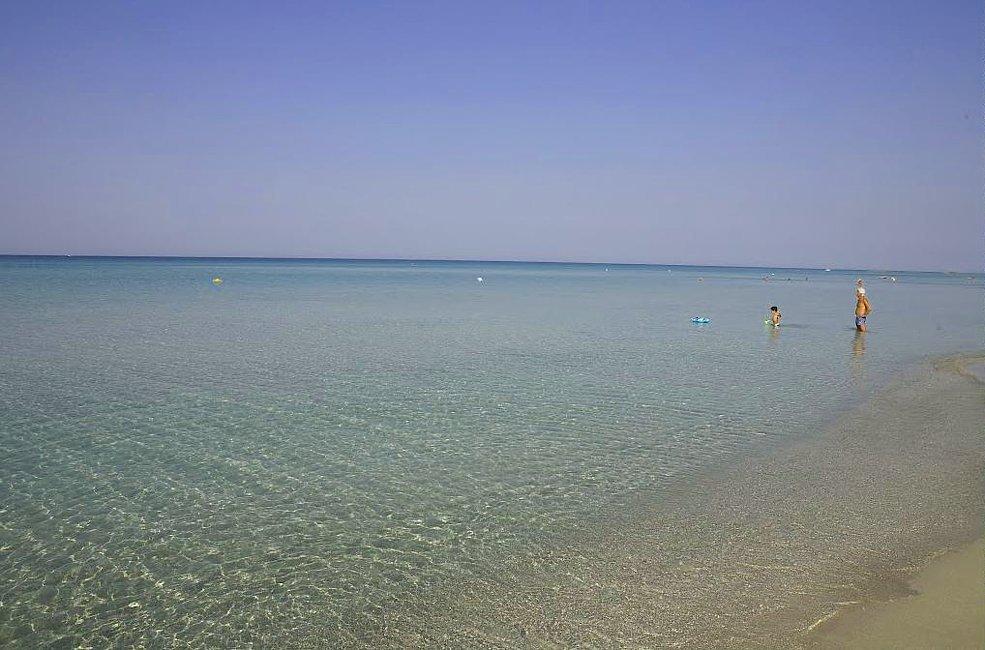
(467, 261)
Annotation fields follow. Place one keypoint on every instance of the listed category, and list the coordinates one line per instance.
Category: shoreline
(763, 554)
(943, 605)
(943, 610)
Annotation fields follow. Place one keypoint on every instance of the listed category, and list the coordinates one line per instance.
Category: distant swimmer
(775, 316)
(862, 307)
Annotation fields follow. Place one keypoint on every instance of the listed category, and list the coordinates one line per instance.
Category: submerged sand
(760, 555)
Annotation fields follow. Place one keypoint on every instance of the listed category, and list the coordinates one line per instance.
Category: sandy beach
(945, 610)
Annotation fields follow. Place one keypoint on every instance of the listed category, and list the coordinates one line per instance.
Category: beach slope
(769, 552)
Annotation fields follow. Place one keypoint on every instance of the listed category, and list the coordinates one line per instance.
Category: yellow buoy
(217, 280)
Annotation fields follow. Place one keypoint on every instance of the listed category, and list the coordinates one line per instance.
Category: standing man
(862, 307)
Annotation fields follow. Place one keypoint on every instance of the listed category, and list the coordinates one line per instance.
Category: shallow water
(332, 440)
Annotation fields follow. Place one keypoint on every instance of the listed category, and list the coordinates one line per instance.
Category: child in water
(775, 316)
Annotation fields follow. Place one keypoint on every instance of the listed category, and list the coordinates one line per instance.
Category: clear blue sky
(784, 133)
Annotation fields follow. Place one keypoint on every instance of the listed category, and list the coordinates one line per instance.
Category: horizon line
(473, 261)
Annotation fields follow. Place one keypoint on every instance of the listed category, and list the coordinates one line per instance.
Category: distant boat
(828, 270)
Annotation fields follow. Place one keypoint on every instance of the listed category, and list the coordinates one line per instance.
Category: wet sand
(946, 604)
(758, 555)
(946, 610)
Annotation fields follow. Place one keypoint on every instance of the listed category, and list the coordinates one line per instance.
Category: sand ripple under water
(762, 552)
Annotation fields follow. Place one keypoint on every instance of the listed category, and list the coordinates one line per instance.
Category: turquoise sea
(312, 444)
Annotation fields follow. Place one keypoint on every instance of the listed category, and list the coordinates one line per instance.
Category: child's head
(773, 308)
